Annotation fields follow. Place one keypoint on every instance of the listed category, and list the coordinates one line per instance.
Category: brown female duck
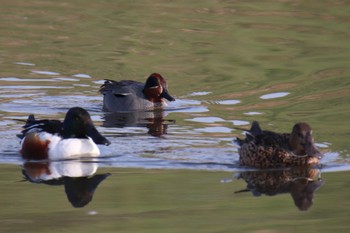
(266, 149)
(300, 182)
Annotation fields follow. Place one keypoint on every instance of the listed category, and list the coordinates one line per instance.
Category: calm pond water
(227, 63)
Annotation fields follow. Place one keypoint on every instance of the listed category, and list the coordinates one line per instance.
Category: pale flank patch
(58, 169)
(73, 169)
(71, 148)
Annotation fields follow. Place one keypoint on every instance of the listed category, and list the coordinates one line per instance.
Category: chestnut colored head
(156, 89)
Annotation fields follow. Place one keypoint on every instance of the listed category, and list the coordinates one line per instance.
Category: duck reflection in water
(153, 120)
(77, 177)
(301, 183)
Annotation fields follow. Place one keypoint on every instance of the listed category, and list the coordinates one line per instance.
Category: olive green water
(169, 201)
(221, 59)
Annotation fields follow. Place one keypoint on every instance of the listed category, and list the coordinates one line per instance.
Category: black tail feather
(30, 118)
(255, 129)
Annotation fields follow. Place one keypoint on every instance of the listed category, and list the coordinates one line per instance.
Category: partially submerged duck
(129, 95)
(266, 149)
(76, 136)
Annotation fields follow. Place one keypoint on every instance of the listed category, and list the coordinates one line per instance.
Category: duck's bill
(80, 190)
(311, 149)
(96, 136)
(167, 96)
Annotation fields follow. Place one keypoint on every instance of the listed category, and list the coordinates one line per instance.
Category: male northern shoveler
(78, 177)
(266, 149)
(128, 95)
(54, 140)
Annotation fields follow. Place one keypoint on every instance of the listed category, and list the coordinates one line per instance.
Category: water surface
(227, 63)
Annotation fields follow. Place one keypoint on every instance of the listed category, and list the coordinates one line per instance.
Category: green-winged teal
(128, 95)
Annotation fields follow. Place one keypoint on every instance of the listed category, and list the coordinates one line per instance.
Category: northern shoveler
(128, 95)
(52, 139)
(266, 149)
(78, 177)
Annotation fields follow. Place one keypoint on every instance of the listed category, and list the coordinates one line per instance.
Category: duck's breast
(71, 148)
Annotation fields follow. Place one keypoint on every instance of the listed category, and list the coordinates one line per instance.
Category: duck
(129, 95)
(47, 139)
(300, 182)
(264, 149)
(78, 177)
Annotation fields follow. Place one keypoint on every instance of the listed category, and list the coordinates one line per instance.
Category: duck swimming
(128, 95)
(76, 136)
(266, 149)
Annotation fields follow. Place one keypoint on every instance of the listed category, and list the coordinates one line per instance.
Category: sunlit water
(227, 64)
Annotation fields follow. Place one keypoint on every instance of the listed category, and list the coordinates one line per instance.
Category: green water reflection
(134, 200)
(209, 51)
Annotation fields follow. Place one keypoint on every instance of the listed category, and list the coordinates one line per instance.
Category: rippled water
(227, 63)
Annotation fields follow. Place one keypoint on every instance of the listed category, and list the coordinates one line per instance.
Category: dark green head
(78, 124)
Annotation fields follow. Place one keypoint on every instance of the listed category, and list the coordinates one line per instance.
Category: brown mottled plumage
(301, 183)
(266, 149)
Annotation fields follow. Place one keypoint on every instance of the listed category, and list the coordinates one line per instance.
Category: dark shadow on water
(301, 183)
(153, 120)
(78, 178)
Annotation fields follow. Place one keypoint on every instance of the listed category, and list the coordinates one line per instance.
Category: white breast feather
(69, 148)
